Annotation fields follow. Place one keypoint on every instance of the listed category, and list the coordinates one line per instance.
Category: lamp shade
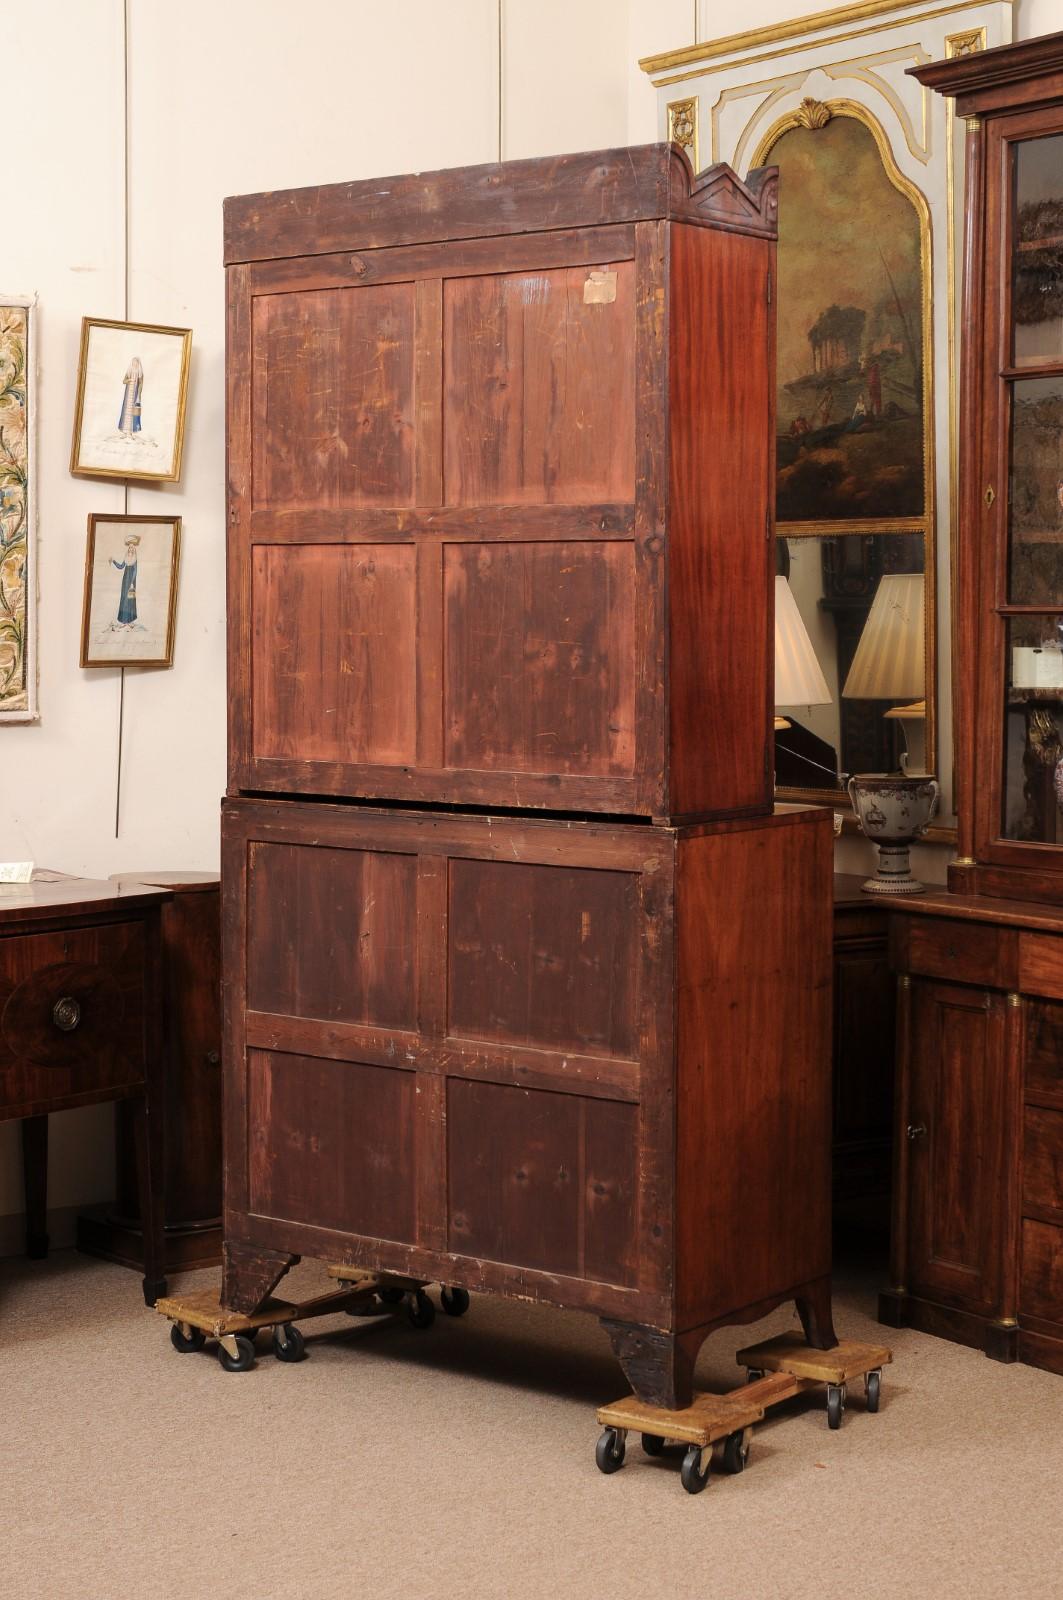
(798, 678)
(890, 660)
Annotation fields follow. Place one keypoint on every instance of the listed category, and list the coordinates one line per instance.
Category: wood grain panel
(334, 652)
(538, 388)
(721, 521)
(963, 951)
(1041, 964)
(1042, 1164)
(331, 934)
(1044, 1049)
(102, 970)
(754, 936)
(544, 955)
(540, 657)
(544, 1181)
(333, 1143)
(1042, 1271)
(333, 397)
(955, 1167)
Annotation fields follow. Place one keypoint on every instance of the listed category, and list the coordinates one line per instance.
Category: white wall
(225, 99)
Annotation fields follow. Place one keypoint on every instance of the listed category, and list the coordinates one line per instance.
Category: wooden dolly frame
(776, 1370)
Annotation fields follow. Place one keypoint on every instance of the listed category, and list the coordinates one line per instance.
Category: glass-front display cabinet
(1008, 664)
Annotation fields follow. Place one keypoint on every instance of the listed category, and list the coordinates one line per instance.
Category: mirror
(861, 603)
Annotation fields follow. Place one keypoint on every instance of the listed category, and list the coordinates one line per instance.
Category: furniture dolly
(776, 1370)
(199, 1315)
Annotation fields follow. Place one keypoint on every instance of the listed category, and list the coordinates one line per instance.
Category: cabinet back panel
(331, 934)
(545, 956)
(334, 642)
(540, 659)
(539, 387)
(333, 397)
(332, 1143)
(544, 1181)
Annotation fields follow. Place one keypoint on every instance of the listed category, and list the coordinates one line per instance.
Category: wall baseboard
(62, 1230)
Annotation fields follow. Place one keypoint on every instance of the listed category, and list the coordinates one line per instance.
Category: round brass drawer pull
(66, 1014)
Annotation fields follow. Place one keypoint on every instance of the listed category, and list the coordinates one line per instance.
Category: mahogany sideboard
(81, 1022)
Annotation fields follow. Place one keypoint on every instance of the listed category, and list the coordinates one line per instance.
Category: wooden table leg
(35, 1181)
(149, 1121)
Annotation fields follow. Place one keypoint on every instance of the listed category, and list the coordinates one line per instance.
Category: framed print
(129, 419)
(18, 515)
(130, 608)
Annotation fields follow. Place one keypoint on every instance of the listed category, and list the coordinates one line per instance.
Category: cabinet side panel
(721, 522)
(753, 1117)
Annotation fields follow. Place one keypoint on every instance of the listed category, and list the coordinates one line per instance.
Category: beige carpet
(459, 1463)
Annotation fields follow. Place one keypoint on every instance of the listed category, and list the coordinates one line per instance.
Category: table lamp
(799, 680)
(894, 809)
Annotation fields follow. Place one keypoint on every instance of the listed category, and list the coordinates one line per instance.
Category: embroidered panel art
(18, 676)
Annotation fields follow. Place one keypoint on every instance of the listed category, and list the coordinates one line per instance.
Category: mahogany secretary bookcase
(978, 1227)
(526, 983)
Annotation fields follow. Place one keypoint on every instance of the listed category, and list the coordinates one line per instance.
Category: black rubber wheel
(455, 1302)
(194, 1339)
(835, 1405)
(873, 1385)
(390, 1295)
(609, 1451)
(420, 1310)
(690, 1473)
(653, 1444)
(244, 1359)
(735, 1452)
(293, 1347)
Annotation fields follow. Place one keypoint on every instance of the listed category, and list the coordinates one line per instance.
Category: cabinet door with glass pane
(1013, 533)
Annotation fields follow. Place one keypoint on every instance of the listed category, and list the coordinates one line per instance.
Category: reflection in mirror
(860, 600)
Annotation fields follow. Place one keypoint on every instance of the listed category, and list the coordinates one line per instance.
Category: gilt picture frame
(132, 387)
(129, 615)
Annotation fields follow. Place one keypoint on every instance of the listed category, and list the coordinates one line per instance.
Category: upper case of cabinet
(500, 487)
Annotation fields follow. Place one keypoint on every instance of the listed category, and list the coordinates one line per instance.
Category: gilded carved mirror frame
(813, 115)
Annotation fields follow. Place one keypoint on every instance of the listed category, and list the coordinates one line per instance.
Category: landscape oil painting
(851, 355)
(18, 675)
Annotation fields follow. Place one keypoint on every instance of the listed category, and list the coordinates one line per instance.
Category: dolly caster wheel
(653, 1444)
(735, 1451)
(753, 1375)
(420, 1310)
(243, 1360)
(288, 1342)
(390, 1295)
(835, 1404)
(692, 1475)
(609, 1452)
(194, 1339)
(455, 1302)
(873, 1389)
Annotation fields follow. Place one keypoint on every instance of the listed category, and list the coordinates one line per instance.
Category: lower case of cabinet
(113, 1238)
(1000, 1341)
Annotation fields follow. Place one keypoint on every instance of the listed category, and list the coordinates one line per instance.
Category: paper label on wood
(599, 289)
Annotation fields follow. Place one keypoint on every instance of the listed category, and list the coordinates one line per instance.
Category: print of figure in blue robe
(127, 604)
(129, 416)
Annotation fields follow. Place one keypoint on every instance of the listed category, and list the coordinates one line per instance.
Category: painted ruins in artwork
(851, 401)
